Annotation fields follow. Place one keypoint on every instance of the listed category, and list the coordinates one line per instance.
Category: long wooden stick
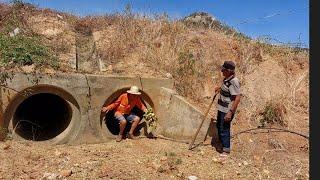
(205, 137)
(205, 116)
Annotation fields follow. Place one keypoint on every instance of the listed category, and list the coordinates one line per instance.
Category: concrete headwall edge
(91, 91)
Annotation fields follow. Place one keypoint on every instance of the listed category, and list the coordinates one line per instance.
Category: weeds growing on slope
(3, 133)
(22, 50)
(273, 113)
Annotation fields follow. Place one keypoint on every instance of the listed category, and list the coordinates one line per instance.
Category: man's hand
(105, 109)
(217, 89)
(228, 116)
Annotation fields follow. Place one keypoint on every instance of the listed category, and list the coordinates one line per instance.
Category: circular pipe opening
(42, 117)
(112, 123)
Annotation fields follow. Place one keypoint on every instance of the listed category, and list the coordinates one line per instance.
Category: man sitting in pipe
(123, 106)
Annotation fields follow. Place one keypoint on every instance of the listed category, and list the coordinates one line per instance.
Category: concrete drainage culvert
(44, 113)
(42, 117)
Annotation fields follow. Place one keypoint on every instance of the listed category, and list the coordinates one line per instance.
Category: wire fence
(252, 20)
(271, 40)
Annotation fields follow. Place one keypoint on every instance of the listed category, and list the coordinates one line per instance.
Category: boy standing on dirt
(227, 104)
(123, 106)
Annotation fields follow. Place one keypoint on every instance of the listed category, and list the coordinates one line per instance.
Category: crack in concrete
(141, 83)
(89, 99)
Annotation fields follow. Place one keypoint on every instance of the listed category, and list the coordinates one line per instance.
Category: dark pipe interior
(113, 124)
(42, 117)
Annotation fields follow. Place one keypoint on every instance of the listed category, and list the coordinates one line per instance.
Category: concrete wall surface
(85, 94)
(178, 118)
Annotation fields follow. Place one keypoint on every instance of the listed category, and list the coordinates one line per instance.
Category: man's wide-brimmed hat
(134, 90)
(229, 65)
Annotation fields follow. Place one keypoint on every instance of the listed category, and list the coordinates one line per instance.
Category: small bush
(3, 133)
(170, 154)
(171, 163)
(184, 72)
(83, 27)
(273, 113)
(17, 3)
(22, 50)
(151, 120)
(15, 16)
(188, 75)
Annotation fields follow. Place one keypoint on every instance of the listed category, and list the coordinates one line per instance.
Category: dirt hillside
(274, 82)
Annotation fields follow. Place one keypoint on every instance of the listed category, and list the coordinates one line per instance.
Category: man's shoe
(119, 138)
(131, 136)
(223, 157)
(226, 150)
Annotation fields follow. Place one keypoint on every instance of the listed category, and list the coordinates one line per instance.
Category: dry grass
(3, 134)
(153, 159)
(274, 113)
(161, 45)
(83, 27)
(158, 45)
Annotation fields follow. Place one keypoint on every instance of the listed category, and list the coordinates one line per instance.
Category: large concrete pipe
(43, 113)
(108, 122)
(41, 117)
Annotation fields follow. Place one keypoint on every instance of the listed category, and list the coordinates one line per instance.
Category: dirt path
(139, 159)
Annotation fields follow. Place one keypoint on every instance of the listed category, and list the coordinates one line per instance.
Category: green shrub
(22, 50)
(3, 134)
(273, 113)
(185, 72)
(151, 120)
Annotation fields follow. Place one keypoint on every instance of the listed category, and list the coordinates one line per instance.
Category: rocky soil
(156, 159)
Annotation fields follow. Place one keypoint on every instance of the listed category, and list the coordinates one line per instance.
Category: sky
(284, 21)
